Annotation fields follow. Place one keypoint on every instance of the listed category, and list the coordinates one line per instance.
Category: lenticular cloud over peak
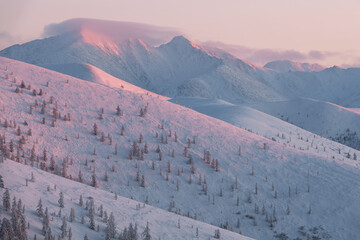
(116, 30)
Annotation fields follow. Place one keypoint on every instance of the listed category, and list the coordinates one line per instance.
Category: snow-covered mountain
(234, 178)
(290, 66)
(180, 67)
(175, 68)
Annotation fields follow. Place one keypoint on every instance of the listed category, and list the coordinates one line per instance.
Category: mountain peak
(183, 41)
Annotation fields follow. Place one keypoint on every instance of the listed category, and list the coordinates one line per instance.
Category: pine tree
(61, 200)
(105, 217)
(249, 198)
(95, 129)
(39, 209)
(146, 233)
(45, 223)
(118, 110)
(81, 202)
(6, 230)
(1, 181)
(217, 234)
(102, 137)
(15, 220)
(6, 200)
(45, 155)
(23, 227)
(63, 228)
(288, 210)
(106, 177)
(110, 227)
(69, 234)
(92, 215)
(142, 184)
(72, 215)
(169, 167)
(93, 180)
(80, 176)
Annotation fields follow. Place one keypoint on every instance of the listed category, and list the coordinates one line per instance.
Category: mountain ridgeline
(181, 67)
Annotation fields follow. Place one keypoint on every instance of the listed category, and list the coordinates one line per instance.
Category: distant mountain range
(289, 66)
(182, 68)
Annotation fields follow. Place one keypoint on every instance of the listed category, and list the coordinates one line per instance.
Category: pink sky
(324, 31)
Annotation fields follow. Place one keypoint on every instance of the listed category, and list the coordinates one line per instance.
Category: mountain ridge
(179, 67)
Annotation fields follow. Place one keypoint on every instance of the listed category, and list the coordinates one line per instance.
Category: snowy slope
(311, 178)
(163, 224)
(94, 74)
(287, 66)
(273, 127)
(323, 118)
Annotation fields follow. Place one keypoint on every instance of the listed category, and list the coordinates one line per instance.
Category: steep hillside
(191, 165)
(323, 118)
(47, 187)
(279, 128)
(94, 74)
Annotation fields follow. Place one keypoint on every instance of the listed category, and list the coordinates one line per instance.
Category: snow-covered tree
(70, 234)
(72, 215)
(81, 202)
(110, 227)
(45, 224)
(61, 200)
(95, 129)
(39, 209)
(2, 185)
(6, 230)
(63, 228)
(6, 200)
(92, 215)
(217, 234)
(146, 233)
(93, 180)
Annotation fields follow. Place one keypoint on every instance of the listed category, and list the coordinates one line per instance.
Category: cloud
(265, 55)
(6, 39)
(114, 29)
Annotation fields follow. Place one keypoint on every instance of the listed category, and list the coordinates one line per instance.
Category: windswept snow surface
(270, 175)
